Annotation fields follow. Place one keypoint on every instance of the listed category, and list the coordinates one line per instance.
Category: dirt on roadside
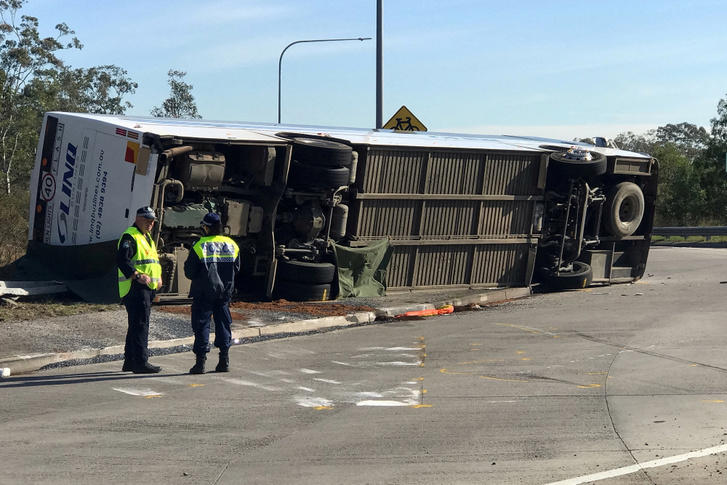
(242, 310)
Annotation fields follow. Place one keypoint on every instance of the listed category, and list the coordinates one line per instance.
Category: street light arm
(280, 60)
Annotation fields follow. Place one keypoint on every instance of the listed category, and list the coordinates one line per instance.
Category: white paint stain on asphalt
(309, 371)
(312, 402)
(327, 381)
(306, 389)
(627, 470)
(241, 382)
(383, 403)
(399, 363)
(137, 392)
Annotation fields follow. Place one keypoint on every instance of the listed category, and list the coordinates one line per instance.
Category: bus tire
(324, 153)
(563, 167)
(581, 276)
(305, 272)
(305, 176)
(292, 291)
(624, 209)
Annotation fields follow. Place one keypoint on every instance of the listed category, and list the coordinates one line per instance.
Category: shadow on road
(75, 378)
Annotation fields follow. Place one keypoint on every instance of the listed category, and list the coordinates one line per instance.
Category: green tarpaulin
(362, 271)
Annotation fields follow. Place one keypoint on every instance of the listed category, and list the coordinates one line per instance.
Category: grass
(689, 239)
(49, 306)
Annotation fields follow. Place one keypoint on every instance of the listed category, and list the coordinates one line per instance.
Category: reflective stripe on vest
(212, 249)
(145, 261)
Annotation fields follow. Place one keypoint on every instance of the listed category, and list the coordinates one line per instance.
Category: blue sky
(548, 68)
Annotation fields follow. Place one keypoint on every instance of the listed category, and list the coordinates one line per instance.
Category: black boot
(128, 365)
(199, 366)
(145, 368)
(224, 364)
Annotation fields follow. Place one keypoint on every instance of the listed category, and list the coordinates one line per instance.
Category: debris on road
(443, 310)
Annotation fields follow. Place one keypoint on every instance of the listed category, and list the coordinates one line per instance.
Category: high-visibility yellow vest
(214, 249)
(145, 260)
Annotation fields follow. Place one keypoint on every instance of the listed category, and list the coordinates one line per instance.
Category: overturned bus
(440, 210)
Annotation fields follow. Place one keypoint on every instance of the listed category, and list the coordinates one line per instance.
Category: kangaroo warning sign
(404, 120)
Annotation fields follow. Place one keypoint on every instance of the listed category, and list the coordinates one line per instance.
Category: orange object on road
(444, 310)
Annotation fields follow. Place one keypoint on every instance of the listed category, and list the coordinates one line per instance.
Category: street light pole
(280, 61)
(379, 63)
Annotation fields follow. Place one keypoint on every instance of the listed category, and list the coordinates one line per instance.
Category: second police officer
(212, 265)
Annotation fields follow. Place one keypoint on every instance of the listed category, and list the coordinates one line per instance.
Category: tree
(690, 139)
(180, 103)
(711, 166)
(636, 143)
(34, 79)
(681, 198)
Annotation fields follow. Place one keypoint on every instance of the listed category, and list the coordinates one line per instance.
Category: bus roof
(267, 132)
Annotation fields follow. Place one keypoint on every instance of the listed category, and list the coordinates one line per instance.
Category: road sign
(404, 120)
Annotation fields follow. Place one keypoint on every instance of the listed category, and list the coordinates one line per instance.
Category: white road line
(327, 381)
(617, 472)
(309, 371)
(137, 392)
(241, 382)
(312, 402)
(372, 402)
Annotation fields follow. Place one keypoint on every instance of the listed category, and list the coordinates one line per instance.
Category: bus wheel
(624, 209)
(562, 165)
(304, 176)
(305, 272)
(302, 291)
(324, 153)
(579, 275)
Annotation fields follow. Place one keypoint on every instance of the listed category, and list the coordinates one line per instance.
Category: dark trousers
(138, 308)
(203, 311)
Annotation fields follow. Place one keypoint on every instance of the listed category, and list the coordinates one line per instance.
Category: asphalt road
(623, 381)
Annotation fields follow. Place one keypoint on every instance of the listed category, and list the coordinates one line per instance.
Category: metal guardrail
(706, 231)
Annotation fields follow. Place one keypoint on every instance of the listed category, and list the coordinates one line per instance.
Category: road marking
(327, 381)
(309, 371)
(306, 389)
(138, 392)
(313, 402)
(528, 329)
(713, 400)
(417, 406)
(374, 402)
(195, 385)
(241, 382)
(627, 470)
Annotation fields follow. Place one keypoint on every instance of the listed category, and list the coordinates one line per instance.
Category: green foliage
(180, 103)
(34, 79)
(14, 220)
(685, 196)
(681, 199)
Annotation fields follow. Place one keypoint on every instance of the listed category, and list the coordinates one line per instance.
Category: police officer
(212, 265)
(140, 275)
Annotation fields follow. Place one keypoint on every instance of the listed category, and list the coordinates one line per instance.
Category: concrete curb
(459, 304)
(30, 363)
